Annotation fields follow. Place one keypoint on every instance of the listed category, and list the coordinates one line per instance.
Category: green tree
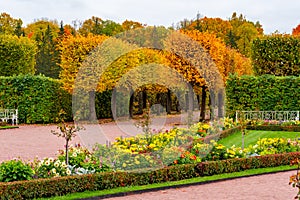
(97, 26)
(9, 25)
(47, 57)
(17, 55)
(46, 34)
(243, 33)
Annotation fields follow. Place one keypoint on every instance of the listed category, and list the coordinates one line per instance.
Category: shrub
(50, 167)
(15, 170)
(37, 98)
(276, 54)
(263, 93)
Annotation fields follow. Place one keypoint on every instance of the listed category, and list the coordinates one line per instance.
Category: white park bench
(7, 115)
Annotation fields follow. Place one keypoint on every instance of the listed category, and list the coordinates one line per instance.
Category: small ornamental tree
(66, 131)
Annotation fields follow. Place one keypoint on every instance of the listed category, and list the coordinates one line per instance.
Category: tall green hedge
(37, 98)
(276, 54)
(265, 92)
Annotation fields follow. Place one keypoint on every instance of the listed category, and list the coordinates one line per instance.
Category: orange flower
(175, 162)
(193, 157)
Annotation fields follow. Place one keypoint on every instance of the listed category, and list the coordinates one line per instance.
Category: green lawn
(251, 137)
(89, 194)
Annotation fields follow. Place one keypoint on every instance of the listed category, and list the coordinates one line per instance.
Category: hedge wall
(276, 54)
(37, 98)
(265, 92)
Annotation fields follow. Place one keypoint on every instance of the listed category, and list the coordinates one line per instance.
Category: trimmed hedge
(37, 98)
(108, 180)
(223, 134)
(265, 92)
(276, 54)
(274, 128)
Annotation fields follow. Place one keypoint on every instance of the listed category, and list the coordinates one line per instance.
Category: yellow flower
(137, 162)
(124, 165)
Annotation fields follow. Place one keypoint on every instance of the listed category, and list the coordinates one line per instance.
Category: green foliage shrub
(276, 54)
(17, 55)
(37, 98)
(15, 170)
(262, 93)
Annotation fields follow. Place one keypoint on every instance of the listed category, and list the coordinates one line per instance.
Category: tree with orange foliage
(296, 31)
(226, 59)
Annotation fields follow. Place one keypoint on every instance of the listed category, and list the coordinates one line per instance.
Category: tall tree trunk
(144, 99)
(131, 105)
(177, 103)
(141, 102)
(220, 104)
(186, 107)
(92, 108)
(158, 101)
(203, 102)
(212, 103)
(113, 104)
(169, 102)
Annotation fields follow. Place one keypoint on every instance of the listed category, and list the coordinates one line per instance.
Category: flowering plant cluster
(274, 122)
(50, 167)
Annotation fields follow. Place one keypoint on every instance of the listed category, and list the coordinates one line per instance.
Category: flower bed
(151, 158)
(107, 180)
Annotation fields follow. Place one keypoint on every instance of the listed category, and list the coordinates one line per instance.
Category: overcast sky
(281, 15)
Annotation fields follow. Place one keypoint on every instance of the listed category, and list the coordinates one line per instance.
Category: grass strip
(7, 127)
(252, 137)
(121, 191)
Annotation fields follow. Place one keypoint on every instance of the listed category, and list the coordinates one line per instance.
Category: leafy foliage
(37, 98)
(227, 60)
(9, 25)
(74, 50)
(276, 54)
(17, 55)
(266, 92)
(296, 31)
(15, 170)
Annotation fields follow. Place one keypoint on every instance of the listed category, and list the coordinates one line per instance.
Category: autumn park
(204, 100)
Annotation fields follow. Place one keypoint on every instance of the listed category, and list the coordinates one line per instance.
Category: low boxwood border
(108, 180)
(274, 128)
